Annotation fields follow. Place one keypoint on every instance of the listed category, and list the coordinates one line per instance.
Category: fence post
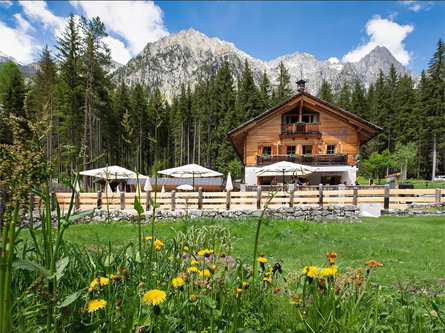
(258, 197)
(320, 195)
(386, 199)
(147, 203)
(77, 200)
(354, 195)
(200, 198)
(228, 199)
(291, 198)
(122, 200)
(53, 201)
(99, 199)
(438, 198)
(173, 203)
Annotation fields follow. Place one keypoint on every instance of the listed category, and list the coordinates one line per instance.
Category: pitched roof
(369, 128)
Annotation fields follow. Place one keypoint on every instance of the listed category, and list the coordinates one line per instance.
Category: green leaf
(62, 263)
(30, 266)
(84, 214)
(137, 205)
(68, 184)
(71, 298)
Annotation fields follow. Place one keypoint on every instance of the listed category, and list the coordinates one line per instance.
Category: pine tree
(143, 123)
(326, 92)
(436, 118)
(344, 99)
(44, 91)
(283, 90)
(96, 57)
(265, 93)
(248, 102)
(70, 96)
(12, 95)
(358, 101)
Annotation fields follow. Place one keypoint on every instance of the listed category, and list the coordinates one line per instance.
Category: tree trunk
(433, 173)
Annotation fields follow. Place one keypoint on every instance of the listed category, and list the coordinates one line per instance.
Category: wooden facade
(303, 129)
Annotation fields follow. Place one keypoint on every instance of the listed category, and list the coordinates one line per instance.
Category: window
(310, 118)
(291, 150)
(330, 150)
(267, 150)
(307, 150)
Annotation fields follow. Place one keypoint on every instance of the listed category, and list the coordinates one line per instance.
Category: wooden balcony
(299, 128)
(338, 159)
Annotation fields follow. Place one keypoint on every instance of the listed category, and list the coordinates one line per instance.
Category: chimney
(301, 85)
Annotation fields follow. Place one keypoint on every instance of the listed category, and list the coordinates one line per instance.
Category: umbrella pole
(283, 177)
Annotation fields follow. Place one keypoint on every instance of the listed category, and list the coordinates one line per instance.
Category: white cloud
(383, 32)
(416, 6)
(38, 12)
(138, 22)
(16, 42)
(118, 51)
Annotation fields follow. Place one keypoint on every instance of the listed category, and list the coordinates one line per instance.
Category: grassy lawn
(411, 248)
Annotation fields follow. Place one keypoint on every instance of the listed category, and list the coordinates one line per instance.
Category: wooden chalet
(306, 130)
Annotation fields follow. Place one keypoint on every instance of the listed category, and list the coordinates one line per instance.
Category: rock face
(190, 56)
(28, 70)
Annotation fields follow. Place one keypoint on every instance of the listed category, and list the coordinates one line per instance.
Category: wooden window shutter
(260, 150)
(274, 149)
(282, 149)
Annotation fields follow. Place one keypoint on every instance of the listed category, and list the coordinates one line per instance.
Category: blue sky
(345, 30)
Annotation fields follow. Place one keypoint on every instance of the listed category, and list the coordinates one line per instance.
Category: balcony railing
(338, 159)
(289, 129)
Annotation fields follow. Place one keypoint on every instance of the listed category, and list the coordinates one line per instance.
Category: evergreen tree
(96, 57)
(12, 95)
(248, 102)
(344, 99)
(358, 101)
(283, 90)
(326, 92)
(265, 93)
(70, 96)
(143, 123)
(44, 93)
(436, 116)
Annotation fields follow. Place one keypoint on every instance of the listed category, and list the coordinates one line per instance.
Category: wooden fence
(389, 198)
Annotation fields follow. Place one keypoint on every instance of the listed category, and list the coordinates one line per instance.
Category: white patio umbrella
(163, 189)
(109, 190)
(77, 187)
(185, 187)
(138, 187)
(190, 171)
(147, 187)
(110, 172)
(286, 169)
(117, 189)
(229, 185)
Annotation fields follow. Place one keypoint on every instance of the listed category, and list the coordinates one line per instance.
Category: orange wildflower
(373, 263)
(331, 256)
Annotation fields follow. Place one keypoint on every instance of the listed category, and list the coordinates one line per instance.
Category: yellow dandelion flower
(96, 304)
(292, 303)
(192, 269)
(186, 248)
(326, 272)
(148, 238)
(204, 273)
(158, 245)
(205, 252)
(170, 258)
(213, 267)
(116, 277)
(261, 259)
(267, 279)
(177, 282)
(194, 263)
(310, 271)
(246, 285)
(102, 281)
(238, 290)
(193, 297)
(154, 297)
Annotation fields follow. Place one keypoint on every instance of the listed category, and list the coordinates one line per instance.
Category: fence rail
(389, 198)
